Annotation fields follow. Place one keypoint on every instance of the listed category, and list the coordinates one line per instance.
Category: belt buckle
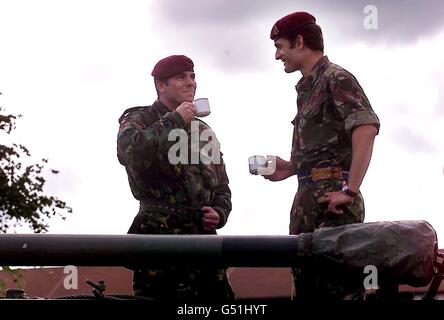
(326, 173)
(316, 174)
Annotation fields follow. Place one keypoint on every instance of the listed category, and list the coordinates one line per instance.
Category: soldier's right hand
(186, 111)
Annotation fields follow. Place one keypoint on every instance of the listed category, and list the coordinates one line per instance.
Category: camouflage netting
(402, 251)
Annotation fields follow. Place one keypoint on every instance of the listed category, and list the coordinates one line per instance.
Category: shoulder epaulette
(129, 111)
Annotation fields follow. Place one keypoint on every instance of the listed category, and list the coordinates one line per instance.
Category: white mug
(260, 165)
(256, 164)
(202, 107)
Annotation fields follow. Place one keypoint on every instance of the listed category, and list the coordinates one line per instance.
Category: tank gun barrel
(152, 250)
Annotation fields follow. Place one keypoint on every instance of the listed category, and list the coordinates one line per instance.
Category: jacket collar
(306, 83)
(159, 107)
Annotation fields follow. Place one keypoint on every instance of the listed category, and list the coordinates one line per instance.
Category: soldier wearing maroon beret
(333, 135)
(176, 197)
(171, 66)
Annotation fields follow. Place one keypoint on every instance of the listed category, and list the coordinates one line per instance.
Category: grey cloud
(229, 50)
(234, 32)
(227, 32)
(204, 12)
(413, 141)
(440, 104)
(399, 21)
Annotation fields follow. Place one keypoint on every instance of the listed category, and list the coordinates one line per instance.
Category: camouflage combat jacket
(331, 103)
(143, 145)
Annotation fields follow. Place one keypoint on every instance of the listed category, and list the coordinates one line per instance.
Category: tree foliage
(22, 200)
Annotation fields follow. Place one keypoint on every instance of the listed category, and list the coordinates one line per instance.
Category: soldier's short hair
(312, 35)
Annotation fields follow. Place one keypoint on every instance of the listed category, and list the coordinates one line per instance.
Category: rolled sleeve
(360, 118)
(351, 103)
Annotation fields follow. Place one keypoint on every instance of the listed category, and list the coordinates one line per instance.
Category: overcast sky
(72, 67)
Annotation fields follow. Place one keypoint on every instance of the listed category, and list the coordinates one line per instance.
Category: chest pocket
(314, 109)
(311, 110)
(316, 126)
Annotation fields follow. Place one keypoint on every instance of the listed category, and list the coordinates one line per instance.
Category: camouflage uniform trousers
(310, 212)
(178, 283)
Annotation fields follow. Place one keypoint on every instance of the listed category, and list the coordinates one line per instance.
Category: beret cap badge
(275, 31)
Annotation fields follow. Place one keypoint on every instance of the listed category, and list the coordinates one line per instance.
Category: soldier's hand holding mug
(186, 111)
(282, 170)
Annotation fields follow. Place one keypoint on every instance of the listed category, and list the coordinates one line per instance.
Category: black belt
(168, 207)
(182, 212)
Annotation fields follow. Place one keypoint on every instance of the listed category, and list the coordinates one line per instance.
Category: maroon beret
(171, 66)
(290, 23)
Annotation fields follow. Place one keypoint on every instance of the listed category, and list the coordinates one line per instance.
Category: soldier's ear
(300, 41)
(160, 84)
